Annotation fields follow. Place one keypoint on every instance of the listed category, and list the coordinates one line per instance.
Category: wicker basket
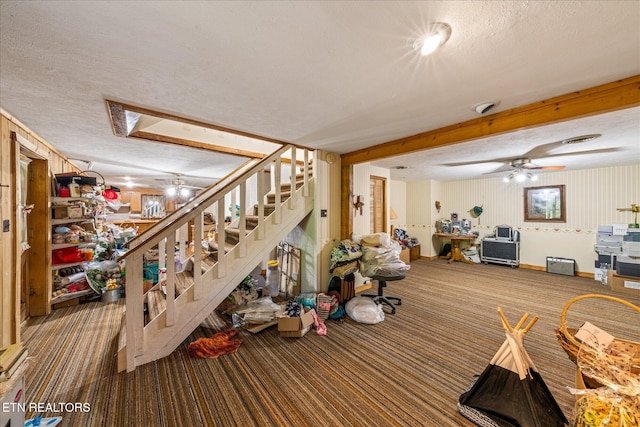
(566, 338)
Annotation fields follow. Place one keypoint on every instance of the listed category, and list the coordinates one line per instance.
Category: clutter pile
(380, 256)
(617, 402)
(607, 371)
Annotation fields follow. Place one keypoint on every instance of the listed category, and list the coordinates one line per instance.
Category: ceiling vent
(579, 139)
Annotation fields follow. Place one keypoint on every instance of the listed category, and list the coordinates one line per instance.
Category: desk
(456, 253)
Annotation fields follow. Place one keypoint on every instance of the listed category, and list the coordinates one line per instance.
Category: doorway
(378, 204)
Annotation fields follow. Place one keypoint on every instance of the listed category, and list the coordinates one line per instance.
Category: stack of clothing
(344, 258)
(380, 256)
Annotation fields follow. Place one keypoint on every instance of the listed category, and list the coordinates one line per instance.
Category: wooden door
(377, 204)
(25, 288)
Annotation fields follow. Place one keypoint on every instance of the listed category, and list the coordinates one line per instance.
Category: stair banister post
(222, 236)
(162, 255)
(305, 170)
(134, 304)
(277, 217)
(242, 225)
(292, 178)
(260, 195)
(197, 257)
(171, 280)
(183, 233)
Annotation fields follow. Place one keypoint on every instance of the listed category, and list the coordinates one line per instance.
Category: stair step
(156, 303)
(268, 209)
(271, 197)
(251, 221)
(287, 186)
(156, 299)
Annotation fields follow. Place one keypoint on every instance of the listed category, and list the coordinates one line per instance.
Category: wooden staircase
(191, 294)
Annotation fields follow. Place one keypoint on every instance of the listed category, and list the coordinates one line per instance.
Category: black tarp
(502, 396)
(510, 392)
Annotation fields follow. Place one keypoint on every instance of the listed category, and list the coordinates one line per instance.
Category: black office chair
(382, 283)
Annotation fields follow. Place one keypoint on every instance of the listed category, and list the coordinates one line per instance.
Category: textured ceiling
(338, 76)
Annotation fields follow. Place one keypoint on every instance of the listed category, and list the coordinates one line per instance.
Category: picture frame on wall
(545, 204)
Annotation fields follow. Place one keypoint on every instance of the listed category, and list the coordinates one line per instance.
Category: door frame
(38, 227)
(373, 202)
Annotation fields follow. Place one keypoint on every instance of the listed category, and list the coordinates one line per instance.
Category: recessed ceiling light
(485, 107)
(579, 139)
(437, 36)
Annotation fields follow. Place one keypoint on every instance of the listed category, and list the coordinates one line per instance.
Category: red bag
(66, 256)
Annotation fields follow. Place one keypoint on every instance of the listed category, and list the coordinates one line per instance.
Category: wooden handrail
(147, 342)
(189, 210)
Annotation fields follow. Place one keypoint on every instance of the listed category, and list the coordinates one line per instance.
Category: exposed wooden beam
(196, 144)
(617, 95)
(612, 96)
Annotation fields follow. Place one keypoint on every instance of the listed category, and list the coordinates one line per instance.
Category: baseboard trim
(529, 267)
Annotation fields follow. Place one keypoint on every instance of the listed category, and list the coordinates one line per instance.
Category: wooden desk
(456, 253)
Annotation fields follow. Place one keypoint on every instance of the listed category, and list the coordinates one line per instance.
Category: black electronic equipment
(504, 232)
(497, 251)
(564, 266)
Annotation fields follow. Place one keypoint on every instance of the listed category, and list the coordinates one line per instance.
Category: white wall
(361, 178)
(592, 197)
(317, 235)
(398, 201)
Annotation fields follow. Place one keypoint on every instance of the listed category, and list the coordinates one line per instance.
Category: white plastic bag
(364, 310)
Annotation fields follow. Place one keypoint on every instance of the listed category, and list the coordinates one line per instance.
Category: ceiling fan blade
(550, 168)
(477, 162)
(500, 170)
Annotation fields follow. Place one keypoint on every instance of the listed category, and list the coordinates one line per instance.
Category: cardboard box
(75, 211)
(620, 229)
(59, 212)
(295, 327)
(624, 284)
(598, 274)
(67, 212)
(405, 255)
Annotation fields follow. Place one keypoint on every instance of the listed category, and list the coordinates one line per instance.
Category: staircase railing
(242, 190)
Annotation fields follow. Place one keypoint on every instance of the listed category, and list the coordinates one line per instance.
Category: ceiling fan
(523, 167)
(179, 188)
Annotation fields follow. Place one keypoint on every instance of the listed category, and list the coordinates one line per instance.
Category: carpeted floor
(406, 371)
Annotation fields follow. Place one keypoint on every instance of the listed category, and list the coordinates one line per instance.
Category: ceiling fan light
(185, 192)
(520, 177)
(507, 178)
(171, 191)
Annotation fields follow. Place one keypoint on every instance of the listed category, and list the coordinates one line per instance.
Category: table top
(457, 236)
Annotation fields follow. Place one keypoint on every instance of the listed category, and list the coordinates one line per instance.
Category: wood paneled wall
(10, 278)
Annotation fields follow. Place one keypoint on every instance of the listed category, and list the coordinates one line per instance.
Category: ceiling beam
(601, 99)
(155, 137)
(117, 109)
